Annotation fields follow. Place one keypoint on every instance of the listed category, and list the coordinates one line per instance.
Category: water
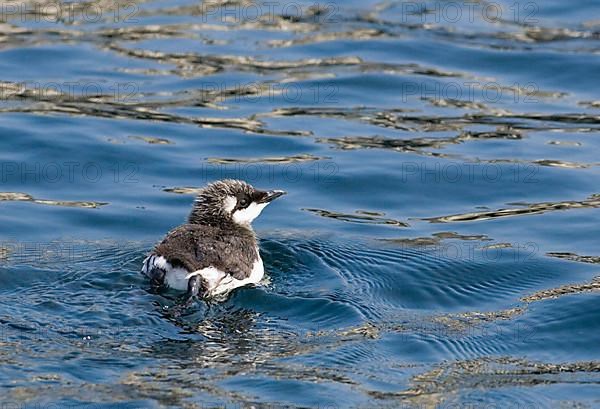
(438, 247)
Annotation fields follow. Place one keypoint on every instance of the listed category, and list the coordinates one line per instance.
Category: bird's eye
(244, 202)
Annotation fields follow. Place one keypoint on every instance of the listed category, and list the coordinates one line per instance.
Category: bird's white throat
(245, 216)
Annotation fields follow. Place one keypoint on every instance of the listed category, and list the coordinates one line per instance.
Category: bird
(216, 250)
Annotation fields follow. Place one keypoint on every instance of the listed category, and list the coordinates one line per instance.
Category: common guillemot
(216, 250)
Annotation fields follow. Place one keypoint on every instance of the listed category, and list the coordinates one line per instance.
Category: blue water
(438, 246)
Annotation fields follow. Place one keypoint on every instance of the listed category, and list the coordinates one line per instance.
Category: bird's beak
(271, 195)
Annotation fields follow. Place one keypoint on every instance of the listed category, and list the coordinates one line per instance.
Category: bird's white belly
(218, 281)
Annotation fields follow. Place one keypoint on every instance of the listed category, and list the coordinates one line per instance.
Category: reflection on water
(277, 333)
(591, 202)
(24, 197)
(382, 120)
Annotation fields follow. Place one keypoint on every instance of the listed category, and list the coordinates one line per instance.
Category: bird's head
(230, 200)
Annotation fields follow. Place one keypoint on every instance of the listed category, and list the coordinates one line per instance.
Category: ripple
(190, 64)
(575, 257)
(24, 197)
(360, 34)
(436, 239)
(332, 302)
(152, 140)
(434, 386)
(533, 208)
(568, 289)
(280, 159)
(399, 320)
(360, 216)
(183, 190)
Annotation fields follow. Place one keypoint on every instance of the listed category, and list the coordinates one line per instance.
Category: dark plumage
(196, 246)
(216, 250)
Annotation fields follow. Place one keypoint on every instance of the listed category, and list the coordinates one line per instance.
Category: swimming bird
(216, 250)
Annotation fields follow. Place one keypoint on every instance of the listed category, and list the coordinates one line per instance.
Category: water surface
(438, 246)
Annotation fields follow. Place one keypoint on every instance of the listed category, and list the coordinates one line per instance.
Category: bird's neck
(224, 224)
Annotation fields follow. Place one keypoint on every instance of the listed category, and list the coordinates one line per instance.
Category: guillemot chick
(216, 250)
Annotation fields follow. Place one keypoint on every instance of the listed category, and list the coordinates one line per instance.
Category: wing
(196, 247)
